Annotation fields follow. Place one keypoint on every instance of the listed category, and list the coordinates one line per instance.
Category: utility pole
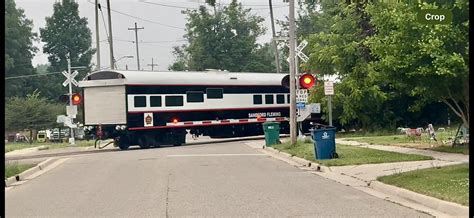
(292, 73)
(152, 64)
(136, 40)
(112, 62)
(97, 33)
(277, 59)
(71, 130)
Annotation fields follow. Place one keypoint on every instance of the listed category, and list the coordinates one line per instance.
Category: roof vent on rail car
(105, 75)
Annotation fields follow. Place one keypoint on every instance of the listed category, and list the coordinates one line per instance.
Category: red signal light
(76, 98)
(307, 81)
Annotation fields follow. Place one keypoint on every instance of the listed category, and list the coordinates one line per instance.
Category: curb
(446, 207)
(25, 174)
(304, 162)
(431, 202)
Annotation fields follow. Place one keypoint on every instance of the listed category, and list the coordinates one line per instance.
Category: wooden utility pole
(275, 45)
(152, 64)
(97, 33)
(136, 41)
(112, 60)
(293, 133)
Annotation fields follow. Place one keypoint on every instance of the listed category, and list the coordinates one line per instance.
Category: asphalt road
(224, 179)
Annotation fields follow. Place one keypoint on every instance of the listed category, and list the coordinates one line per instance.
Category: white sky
(148, 15)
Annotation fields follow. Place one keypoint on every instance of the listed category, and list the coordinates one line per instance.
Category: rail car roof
(118, 77)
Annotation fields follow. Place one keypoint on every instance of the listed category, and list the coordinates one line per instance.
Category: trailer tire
(124, 143)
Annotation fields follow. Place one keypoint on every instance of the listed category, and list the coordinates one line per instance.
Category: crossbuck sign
(299, 51)
(70, 78)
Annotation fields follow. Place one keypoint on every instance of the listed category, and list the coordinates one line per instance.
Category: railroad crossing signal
(70, 78)
(307, 81)
(76, 99)
(299, 51)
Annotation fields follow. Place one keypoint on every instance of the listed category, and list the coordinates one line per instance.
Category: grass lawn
(16, 146)
(349, 155)
(449, 183)
(12, 169)
(424, 143)
(449, 149)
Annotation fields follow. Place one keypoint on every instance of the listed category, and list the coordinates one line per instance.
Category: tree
(338, 49)
(32, 113)
(65, 34)
(19, 50)
(429, 62)
(225, 39)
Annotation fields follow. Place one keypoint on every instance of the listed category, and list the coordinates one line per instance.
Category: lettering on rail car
(265, 114)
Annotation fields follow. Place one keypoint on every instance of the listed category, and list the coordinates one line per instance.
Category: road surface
(223, 179)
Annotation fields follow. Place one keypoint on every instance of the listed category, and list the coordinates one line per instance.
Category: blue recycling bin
(324, 143)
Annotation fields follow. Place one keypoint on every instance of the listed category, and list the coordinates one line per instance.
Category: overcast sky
(162, 20)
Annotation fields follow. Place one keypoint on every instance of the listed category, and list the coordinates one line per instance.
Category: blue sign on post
(300, 105)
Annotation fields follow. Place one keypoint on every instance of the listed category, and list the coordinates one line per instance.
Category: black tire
(334, 155)
(123, 143)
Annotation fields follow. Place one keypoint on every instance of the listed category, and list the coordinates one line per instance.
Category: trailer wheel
(123, 143)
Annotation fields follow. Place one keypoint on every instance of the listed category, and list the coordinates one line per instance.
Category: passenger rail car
(157, 108)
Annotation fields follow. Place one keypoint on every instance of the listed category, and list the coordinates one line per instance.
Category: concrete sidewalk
(364, 177)
(443, 156)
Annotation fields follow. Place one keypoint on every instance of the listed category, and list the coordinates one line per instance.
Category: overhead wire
(139, 18)
(103, 20)
(32, 75)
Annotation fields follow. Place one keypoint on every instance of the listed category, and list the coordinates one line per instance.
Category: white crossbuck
(70, 78)
(299, 51)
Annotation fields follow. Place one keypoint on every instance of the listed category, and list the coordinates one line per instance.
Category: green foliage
(65, 33)
(225, 39)
(32, 112)
(429, 62)
(19, 50)
(391, 67)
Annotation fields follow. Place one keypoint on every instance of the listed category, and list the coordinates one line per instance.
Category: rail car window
(195, 96)
(268, 99)
(257, 99)
(174, 101)
(139, 101)
(280, 99)
(155, 101)
(214, 93)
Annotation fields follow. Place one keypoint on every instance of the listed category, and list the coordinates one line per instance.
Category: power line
(164, 5)
(249, 5)
(179, 40)
(32, 75)
(103, 20)
(150, 21)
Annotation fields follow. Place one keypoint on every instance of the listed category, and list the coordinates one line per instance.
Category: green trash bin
(272, 133)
